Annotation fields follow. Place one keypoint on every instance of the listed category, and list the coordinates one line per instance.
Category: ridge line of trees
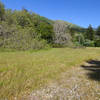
(25, 30)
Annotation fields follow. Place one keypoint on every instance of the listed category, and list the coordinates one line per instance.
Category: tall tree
(2, 11)
(98, 31)
(90, 33)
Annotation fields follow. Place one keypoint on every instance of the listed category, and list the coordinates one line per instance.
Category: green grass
(23, 72)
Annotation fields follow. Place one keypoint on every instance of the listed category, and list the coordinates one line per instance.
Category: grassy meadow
(21, 72)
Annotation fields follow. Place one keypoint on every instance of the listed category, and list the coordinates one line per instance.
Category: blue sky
(80, 12)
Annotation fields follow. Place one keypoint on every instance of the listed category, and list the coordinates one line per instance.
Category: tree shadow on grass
(93, 68)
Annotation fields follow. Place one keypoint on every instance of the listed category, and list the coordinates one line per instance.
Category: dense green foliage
(98, 31)
(2, 11)
(25, 30)
(90, 33)
(89, 38)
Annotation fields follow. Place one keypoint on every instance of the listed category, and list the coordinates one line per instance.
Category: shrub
(97, 43)
(39, 44)
(79, 39)
(23, 39)
(89, 43)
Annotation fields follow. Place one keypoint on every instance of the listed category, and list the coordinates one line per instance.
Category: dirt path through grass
(75, 84)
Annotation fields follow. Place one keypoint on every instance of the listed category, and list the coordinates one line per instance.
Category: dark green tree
(45, 31)
(90, 33)
(98, 31)
(2, 11)
(72, 32)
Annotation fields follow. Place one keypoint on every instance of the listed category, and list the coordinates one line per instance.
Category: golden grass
(22, 72)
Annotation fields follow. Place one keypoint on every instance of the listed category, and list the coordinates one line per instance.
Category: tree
(72, 32)
(90, 33)
(2, 11)
(24, 9)
(61, 36)
(45, 31)
(79, 38)
(98, 31)
(22, 19)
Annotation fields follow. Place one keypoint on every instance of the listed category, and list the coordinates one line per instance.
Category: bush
(16, 37)
(25, 43)
(79, 39)
(77, 44)
(89, 43)
(39, 44)
(97, 43)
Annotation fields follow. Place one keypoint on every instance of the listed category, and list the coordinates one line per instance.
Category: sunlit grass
(22, 72)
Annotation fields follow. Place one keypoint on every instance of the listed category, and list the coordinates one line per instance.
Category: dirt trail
(75, 84)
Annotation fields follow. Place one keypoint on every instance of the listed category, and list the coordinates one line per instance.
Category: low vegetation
(22, 72)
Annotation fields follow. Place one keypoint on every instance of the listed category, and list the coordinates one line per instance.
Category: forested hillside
(25, 30)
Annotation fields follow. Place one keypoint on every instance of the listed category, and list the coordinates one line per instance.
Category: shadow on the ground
(93, 69)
